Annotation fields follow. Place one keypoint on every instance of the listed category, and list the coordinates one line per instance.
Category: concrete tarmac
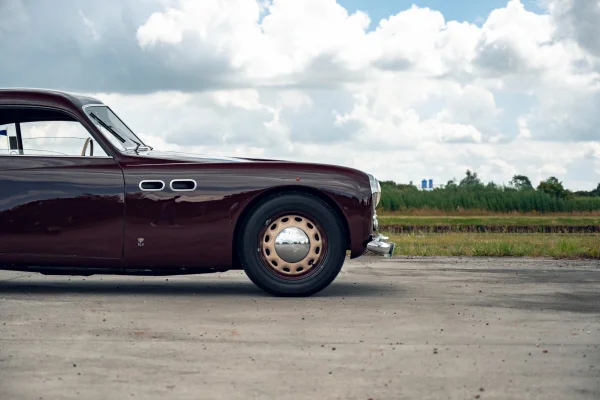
(432, 328)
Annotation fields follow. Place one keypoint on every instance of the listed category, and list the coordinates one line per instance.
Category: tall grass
(497, 245)
(506, 220)
(501, 200)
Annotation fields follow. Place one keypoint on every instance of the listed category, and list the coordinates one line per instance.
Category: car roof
(31, 96)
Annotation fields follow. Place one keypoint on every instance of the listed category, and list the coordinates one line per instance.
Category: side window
(44, 132)
(58, 138)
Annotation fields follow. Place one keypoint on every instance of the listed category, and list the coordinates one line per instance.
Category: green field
(498, 245)
(470, 218)
(490, 220)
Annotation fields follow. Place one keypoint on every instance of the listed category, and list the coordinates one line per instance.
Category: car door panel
(61, 207)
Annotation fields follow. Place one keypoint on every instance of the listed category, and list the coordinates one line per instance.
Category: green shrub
(491, 198)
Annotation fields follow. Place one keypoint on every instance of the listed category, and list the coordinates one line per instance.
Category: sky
(473, 11)
(400, 90)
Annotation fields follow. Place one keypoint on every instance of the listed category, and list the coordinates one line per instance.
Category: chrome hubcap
(292, 245)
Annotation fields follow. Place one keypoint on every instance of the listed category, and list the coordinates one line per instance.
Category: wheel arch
(281, 190)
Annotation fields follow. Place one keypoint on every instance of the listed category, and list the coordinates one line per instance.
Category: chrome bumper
(379, 245)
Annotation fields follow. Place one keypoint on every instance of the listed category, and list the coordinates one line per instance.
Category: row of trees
(471, 193)
(551, 185)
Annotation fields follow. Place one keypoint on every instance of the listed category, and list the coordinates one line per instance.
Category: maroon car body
(69, 214)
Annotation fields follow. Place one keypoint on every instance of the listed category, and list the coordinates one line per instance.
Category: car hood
(160, 157)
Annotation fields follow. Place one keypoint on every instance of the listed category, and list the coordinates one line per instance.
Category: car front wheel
(292, 245)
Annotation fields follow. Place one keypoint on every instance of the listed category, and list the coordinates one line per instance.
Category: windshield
(113, 128)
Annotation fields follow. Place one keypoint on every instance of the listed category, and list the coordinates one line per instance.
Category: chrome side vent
(183, 185)
(152, 186)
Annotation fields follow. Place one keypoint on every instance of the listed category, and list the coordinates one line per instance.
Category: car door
(61, 197)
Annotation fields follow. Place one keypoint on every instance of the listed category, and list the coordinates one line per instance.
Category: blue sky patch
(460, 10)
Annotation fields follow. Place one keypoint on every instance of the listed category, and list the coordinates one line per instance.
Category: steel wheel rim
(278, 264)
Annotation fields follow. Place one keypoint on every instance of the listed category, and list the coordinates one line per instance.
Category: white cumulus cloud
(409, 97)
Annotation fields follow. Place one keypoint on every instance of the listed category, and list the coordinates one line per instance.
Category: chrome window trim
(183, 180)
(119, 118)
(54, 156)
(152, 190)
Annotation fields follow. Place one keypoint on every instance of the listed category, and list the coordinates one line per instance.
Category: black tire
(329, 265)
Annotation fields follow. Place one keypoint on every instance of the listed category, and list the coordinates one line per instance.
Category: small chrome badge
(140, 242)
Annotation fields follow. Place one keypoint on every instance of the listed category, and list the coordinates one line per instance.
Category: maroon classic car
(81, 194)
